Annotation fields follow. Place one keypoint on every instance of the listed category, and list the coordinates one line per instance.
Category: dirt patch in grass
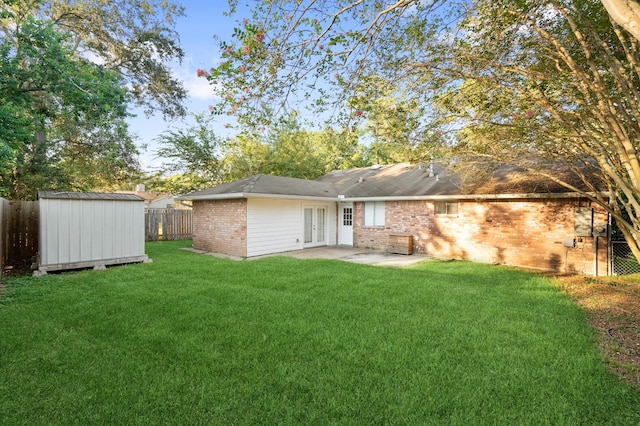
(613, 307)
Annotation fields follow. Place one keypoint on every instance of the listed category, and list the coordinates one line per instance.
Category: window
(446, 207)
(347, 216)
(374, 213)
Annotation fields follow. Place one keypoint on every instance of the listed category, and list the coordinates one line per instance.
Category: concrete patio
(347, 254)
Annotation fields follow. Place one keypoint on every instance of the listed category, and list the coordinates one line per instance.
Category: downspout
(595, 255)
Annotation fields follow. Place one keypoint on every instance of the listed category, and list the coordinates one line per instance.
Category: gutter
(341, 198)
(476, 197)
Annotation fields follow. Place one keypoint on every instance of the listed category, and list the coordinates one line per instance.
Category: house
(508, 218)
(155, 200)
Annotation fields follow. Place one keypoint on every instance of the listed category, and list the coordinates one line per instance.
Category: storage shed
(89, 229)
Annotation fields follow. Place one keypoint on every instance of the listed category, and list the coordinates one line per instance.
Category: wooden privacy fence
(21, 230)
(168, 224)
(4, 213)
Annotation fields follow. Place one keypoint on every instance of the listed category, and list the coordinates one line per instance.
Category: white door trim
(314, 218)
(345, 224)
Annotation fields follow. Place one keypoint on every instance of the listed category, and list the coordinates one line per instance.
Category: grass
(612, 305)
(191, 339)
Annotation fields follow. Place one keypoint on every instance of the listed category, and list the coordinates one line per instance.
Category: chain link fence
(622, 260)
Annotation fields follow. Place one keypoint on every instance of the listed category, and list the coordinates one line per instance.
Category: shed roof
(62, 195)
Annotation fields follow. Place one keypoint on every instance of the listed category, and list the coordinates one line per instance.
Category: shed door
(315, 226)
(345, 224)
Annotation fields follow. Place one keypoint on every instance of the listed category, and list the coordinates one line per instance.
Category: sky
(203, 20)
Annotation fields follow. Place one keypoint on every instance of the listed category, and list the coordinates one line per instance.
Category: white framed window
(374, 213)
(347, 216)
(449, 208)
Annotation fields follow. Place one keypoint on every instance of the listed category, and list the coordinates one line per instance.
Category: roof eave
(204, 197)
(477, 197)
(339, 198)
(239, 195)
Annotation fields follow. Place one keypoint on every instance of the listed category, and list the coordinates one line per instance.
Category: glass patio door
(315, 226)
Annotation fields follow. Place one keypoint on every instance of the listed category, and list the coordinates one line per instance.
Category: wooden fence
(22, 229)
(168, 224)
(4, 213)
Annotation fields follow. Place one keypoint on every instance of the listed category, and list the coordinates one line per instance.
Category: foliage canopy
(68, 73)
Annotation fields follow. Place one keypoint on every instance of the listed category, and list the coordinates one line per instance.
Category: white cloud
(197, 87)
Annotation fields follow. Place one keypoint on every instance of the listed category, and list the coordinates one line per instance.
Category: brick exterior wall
(220, 226)
(524, 233)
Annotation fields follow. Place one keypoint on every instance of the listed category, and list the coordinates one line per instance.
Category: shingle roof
(267, 185)
(61, 195)
(398, 180)
(434, 180)
(389, 181)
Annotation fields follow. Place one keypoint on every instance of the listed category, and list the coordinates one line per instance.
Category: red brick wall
(220, 226)
(525, 233)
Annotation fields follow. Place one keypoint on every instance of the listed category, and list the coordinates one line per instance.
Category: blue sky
(203, 20)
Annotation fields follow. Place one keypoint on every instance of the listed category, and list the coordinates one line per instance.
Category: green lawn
(191, 339)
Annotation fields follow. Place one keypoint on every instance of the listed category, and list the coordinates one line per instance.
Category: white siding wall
(276, 226)
(82, 230)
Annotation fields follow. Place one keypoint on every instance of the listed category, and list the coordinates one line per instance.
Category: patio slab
(347, 254)
(356, 255)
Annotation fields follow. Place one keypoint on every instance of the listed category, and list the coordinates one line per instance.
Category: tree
(47, 98)
(552, 83)
(69, 71)
(292, 54)
(625, 13)
(195, 152)
(392, 122)
(134, 39)
(511, 81)
(292, 151)
(198, 158)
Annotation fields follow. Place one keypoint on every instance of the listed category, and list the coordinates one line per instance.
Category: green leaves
(68, 73)
(50, 100)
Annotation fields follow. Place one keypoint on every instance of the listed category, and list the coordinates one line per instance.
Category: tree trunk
(625, 13)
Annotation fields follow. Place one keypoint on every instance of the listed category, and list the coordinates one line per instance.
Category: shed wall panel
(82, 230)
(96, 237)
